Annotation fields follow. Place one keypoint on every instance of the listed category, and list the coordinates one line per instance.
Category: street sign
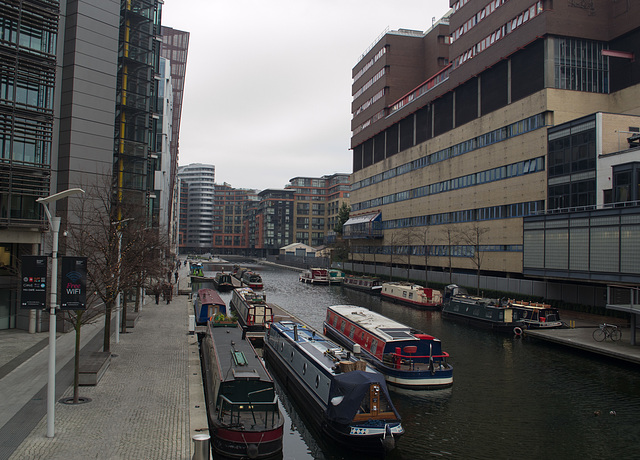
(34, 282)
(73, 295)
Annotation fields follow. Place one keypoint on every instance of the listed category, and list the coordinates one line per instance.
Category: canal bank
(149, 403)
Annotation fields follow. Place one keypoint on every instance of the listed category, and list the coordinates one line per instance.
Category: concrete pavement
(148, 404)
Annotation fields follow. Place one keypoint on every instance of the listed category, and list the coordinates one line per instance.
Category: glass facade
(572, 164)
(580, 65)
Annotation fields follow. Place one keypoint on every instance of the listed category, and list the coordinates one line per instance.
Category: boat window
(281, 346)
(335, 320)
(352, 332)
(374, 345)
(317, 381)
(342, 326)
(291, 355)
(304, 368)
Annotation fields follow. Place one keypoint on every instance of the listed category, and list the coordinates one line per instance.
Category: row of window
(505, 211)
(436, 250)
(476, 18)
(369, 64)
(370, 101)
(501, 134)
(491, 175)
(370, 82)
(499, 33)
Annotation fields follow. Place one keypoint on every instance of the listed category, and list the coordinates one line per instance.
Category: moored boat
(343, 397)
(207, 304)
(495, 314)
(252, 279)
(242, 407)
(408, 358)
(253, 312)
(368, 284)
(223, 282)
(314, 276)
(335, 276)
(537, 315)
(411, 294)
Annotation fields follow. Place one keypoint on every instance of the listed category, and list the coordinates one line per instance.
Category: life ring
(517, 331)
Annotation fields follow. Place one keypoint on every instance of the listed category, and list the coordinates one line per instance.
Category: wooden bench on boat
(92, 367)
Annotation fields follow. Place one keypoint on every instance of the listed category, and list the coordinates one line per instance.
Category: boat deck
(323, 351)
(228, 341)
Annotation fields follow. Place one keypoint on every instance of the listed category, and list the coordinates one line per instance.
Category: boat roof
(317, 346)
(386, 328)
(236, 356)
(209, 296)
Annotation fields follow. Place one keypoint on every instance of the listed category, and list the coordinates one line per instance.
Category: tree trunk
(106, 345)
(76, 371)
(123, 305)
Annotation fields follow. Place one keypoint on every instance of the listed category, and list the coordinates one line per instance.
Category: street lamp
(119, 223)
(54, 228)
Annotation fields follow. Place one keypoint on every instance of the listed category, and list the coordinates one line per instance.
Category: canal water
(511, 397)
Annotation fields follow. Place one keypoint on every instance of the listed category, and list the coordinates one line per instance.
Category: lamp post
(54, 225)
(119, 223)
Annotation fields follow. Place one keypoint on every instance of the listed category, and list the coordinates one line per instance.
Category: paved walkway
(147, 405)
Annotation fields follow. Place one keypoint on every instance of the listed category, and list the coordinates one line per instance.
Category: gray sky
(268, 83)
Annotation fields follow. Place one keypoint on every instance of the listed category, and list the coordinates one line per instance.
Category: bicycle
(607, 331)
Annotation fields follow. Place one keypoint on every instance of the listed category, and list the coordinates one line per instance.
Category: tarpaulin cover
(353, 386)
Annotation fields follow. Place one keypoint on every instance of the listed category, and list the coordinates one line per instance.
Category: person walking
(167, 291)
(156, 292)
(176, 275)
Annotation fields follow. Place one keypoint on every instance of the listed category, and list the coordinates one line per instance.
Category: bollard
(201, 447)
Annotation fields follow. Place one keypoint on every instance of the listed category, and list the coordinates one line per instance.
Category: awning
(363, 219)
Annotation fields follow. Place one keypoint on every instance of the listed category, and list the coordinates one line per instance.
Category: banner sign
(73, 295)
(34, 282)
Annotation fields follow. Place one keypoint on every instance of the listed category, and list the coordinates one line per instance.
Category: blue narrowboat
(344, 398)
(208, 304)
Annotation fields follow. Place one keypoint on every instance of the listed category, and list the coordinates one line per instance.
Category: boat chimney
(356, 348)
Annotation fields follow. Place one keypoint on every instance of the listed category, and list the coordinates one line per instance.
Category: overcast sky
(268, 83)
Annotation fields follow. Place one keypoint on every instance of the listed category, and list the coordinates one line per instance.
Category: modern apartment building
(230, 218)
(271, 222)
(197, 192)
(175, 47)
(317, 203)
(459, 134)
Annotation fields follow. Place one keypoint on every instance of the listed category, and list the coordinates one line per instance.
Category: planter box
(93, 366)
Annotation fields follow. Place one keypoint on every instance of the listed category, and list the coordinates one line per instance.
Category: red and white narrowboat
(412, 294)
(406, 357)
(315, 276)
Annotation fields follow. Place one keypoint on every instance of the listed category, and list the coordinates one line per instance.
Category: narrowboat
(411, 294)
(252, 279)
(207, 305)
(315, 276)
(495, 314)
(368, 284)
(538, 315)
(238, 271)
(242, 407)
(335, 276)
(346, 400)
(223, 282)
(407, 358)
(253, 312)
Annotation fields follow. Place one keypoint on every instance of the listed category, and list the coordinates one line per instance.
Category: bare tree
(451, 237)
(429, 240)
(95, 234)
(472, 236)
